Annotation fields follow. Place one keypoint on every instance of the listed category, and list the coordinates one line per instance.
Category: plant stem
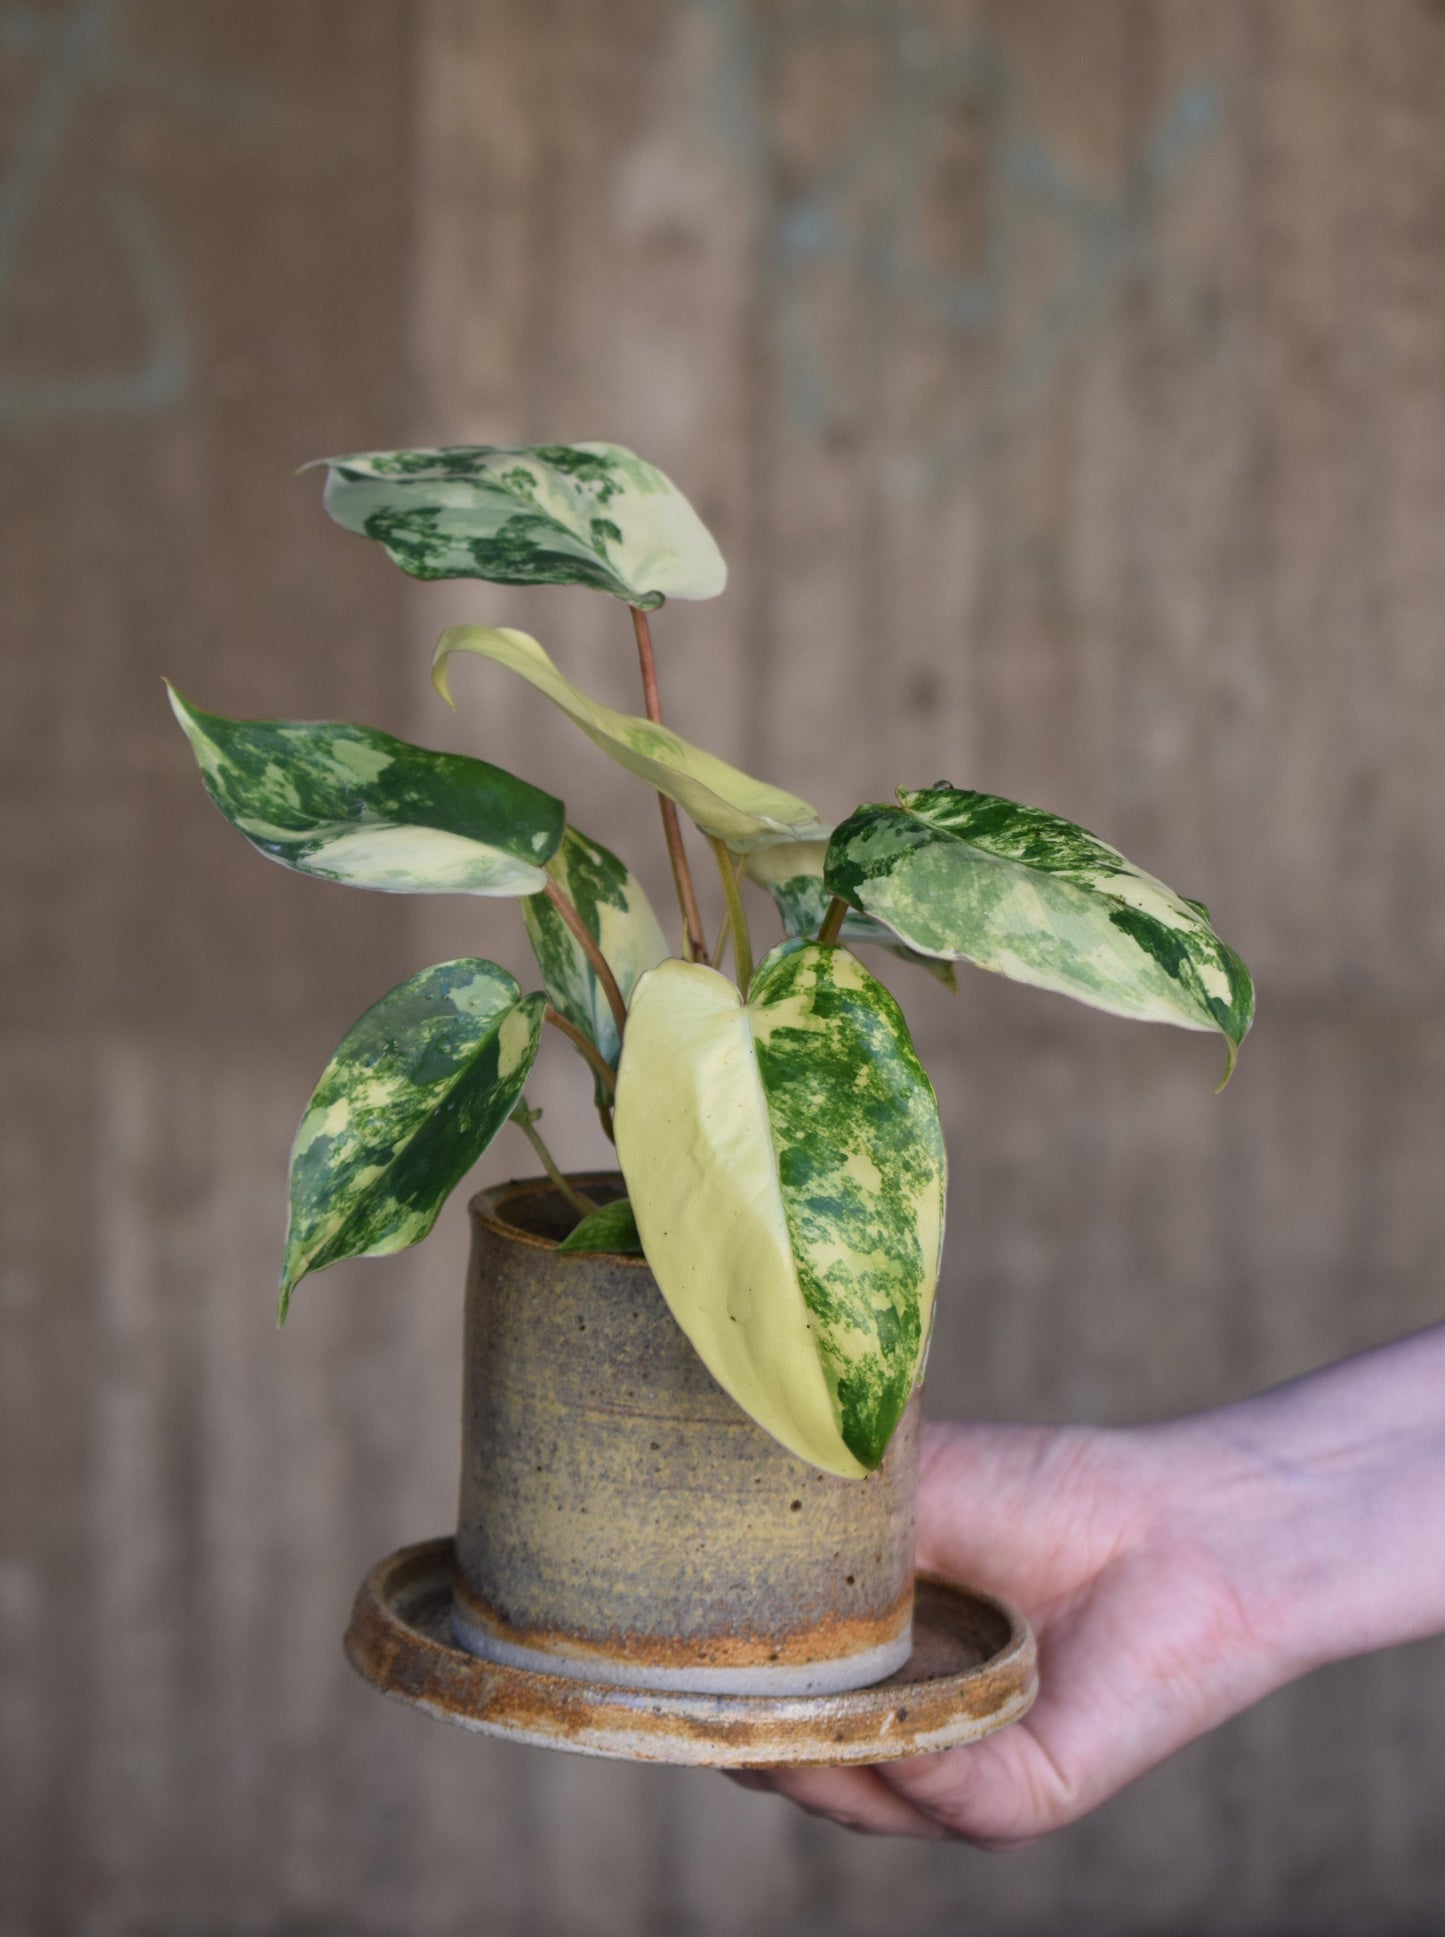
(585, 1048)
(588, 945)
(833, 922)
(737, 915)
(725, 935)
(525, 1120)
(671, 826)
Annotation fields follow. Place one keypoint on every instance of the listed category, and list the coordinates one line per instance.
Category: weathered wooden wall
(1066, 385)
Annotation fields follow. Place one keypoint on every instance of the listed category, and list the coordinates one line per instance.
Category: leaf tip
(188, 717)
(439, 678)
(1231, 1059)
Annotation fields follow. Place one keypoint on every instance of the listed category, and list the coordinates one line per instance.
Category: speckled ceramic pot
(623, 1520)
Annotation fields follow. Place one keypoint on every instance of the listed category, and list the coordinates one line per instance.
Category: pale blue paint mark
(77, 55)
(1104, 237)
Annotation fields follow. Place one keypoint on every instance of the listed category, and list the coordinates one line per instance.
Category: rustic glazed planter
(622, 1520)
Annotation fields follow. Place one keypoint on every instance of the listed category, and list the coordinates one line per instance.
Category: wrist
(1270, 1531)
(1322, 1504)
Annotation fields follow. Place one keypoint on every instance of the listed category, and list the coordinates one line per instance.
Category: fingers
(995, 1795)
(858, 1799)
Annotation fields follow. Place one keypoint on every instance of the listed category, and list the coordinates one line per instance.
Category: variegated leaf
(785, 1165)
(613, 1228)
(618, 916)
(722, 801)
(349, 804)
(411, 1099)
(971, 877)
(792, 873)
(550, 514)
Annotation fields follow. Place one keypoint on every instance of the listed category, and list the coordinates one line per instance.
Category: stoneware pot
(622, 1520)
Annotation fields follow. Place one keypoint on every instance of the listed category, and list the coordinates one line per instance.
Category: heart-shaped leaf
(968, 876)
(792, 873)
(723, 802)
(618, 916)
(612, 1228)
(549, 514)
(785, 1164)
(353, 805)
(411, 1099)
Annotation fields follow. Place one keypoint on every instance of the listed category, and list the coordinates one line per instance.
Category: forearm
(1324, 1501)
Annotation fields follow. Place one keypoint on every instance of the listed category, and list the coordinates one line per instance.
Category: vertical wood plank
(1067, 389)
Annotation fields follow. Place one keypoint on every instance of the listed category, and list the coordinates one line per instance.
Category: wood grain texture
(1066, 387)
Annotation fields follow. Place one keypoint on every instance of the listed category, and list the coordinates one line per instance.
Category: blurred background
(1066, 387)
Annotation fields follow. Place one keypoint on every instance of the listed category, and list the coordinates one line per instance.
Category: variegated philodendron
(619, 917)
(411, 1099)
(792, 873)
(780, 1142)
(356, 806)
(970, 877)
(785, 1165)
(554, 514)
(723, 802)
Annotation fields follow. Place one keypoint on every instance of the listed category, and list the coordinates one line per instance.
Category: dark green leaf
(613, 1228)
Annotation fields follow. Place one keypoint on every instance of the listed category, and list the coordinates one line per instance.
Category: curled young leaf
(792, 873)
(547, 514)
(969, 876)
(349, 804)
(785, 1165)
(724, 803)
(617, 914)
(415, 1093)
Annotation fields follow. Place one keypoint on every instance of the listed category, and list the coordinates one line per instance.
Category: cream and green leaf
(611, 1228)
(785, 1166)
(547, 514)
(792, 873)
(350, 804)
(969, 876)
(415, 1093)
(724, 803)
(619, 917)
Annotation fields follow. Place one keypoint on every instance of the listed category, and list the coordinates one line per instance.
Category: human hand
(1173, 1575)
(1124, 1548)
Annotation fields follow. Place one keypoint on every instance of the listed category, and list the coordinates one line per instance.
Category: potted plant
(691, 1388)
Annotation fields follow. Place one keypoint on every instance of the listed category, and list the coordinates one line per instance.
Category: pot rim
(487, 1207)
